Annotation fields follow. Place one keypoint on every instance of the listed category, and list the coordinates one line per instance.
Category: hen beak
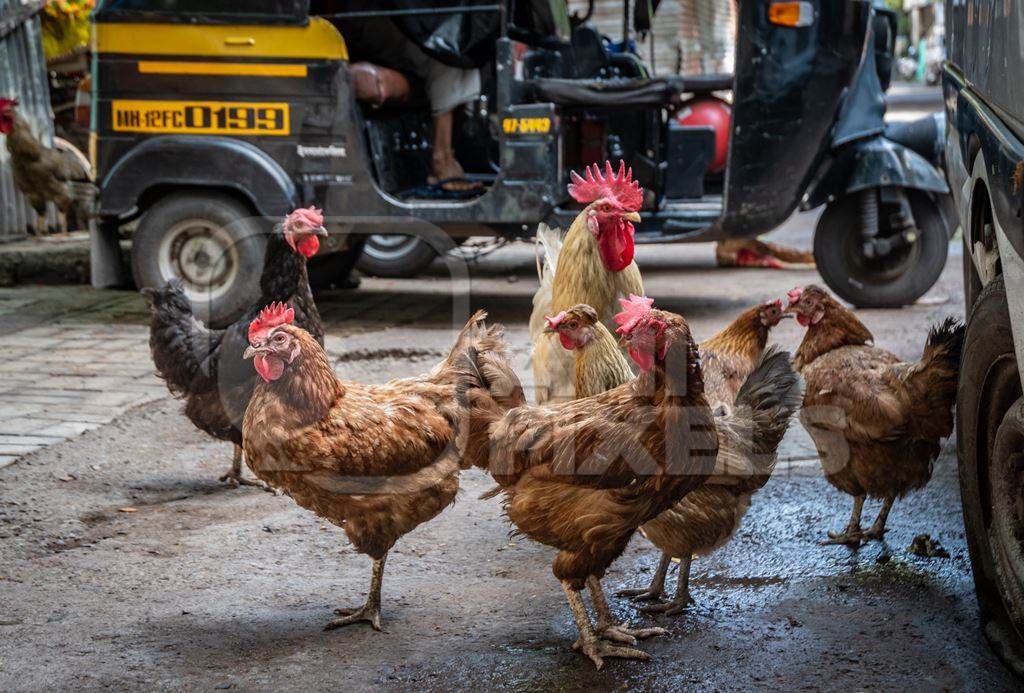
(632, 216)
(786, 314)
(549, 330)
(320, 231)
(250, 352)
(624, 340)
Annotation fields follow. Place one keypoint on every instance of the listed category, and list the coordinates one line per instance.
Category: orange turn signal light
(791, 13)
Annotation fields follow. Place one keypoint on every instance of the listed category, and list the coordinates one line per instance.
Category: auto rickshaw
(210, 117)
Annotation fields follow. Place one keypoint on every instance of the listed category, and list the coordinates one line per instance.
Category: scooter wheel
(895, 280)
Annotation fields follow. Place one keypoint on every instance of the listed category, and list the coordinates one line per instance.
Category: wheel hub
(202, 255)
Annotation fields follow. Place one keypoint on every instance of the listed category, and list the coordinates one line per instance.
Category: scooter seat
(377, 85)
(925, 136)
(625, 93)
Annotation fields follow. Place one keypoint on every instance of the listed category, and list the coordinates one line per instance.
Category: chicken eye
(573, 325)
(279, 337)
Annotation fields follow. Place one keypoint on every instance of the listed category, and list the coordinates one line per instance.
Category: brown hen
(749, 430)
(376, 460)
(582, 476)
(876, 421)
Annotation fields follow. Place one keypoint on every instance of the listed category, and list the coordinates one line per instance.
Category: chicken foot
(657, 587)
(682, 600)
(234, 476)
(852, 535)
(607, 627)
(589, 643)
(877, 530)
(370, 611)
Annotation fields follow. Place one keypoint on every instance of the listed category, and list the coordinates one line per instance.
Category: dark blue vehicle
(985, 163)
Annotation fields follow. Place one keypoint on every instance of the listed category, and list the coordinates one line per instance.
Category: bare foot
(444, 166)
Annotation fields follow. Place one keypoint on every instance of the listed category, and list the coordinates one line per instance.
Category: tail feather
(932, 381)
(749, 436)
(551, 241)
(180, 344)
(486, 388)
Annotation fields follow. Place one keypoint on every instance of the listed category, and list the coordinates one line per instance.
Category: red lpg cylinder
(713, 113)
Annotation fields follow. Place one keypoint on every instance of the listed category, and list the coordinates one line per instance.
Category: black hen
(205, 366)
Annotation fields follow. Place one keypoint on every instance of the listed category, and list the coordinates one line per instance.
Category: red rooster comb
(634, 309)
(794, 294)
(272, 316)
(310, 217)
(6, 103)
(620, 186)
(554, 322)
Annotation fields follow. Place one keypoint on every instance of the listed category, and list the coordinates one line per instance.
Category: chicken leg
(370, 611)
(877, 530)
(607, 627)
(657, 587)
(682, 600)
(589, 643)
(234, 476)
(852, 535)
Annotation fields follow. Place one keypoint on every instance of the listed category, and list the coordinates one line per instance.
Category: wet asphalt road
(204, 587)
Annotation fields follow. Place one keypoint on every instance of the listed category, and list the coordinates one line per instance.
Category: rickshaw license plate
(526, 126)
(200, 117)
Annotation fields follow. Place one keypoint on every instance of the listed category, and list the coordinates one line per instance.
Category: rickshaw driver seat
(600, 77)
(655, 91)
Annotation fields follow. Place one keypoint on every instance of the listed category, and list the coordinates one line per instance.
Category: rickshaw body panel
(160, 78)
(790, 82)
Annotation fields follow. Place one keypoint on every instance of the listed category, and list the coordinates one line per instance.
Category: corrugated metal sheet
(24, 77)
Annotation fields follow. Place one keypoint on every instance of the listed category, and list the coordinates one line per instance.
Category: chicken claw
(673, 607)
(234, 476)
(598, 648)
(850, 536)
(653, 591)
(878, 529)
(641, 594)
(619, 633)
(368, 612)
(606, 626)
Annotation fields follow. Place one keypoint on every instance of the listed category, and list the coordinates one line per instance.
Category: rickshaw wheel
(896, 280)
(212, 242)
(395, 256)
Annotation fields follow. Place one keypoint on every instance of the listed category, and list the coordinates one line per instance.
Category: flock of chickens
(671, 438)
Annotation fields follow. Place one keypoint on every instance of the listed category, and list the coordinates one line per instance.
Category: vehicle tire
(990, 441)
(396, 256)
(213, 242)
(891, 282)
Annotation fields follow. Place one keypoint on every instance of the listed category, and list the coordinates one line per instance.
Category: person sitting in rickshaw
(379, 40)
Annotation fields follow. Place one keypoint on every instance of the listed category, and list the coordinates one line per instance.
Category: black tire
(395, 256)
(990, 437)
(896, 281)
(185, 234)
